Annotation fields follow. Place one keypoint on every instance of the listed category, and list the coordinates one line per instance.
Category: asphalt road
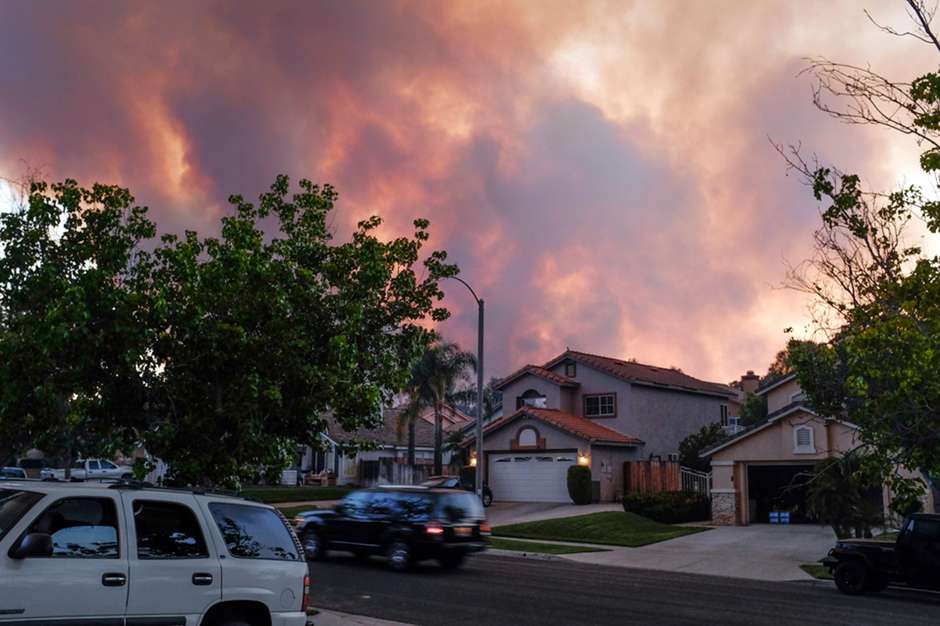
(507, 590)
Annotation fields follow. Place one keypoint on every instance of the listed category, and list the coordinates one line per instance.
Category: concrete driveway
(757, 552)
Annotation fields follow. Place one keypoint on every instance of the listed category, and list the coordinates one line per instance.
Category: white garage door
(531, 477)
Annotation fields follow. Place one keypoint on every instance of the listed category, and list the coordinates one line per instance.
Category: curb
(538, 556)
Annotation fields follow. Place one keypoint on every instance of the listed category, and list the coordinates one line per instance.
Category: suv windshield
(460, 506)
(13, 504)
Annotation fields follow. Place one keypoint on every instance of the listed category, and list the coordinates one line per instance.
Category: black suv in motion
(405, 524)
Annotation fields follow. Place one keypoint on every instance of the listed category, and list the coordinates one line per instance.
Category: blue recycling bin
(774, 517)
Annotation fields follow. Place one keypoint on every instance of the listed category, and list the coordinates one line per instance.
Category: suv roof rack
(199, 491)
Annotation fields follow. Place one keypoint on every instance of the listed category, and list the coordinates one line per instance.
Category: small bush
(579, 484)
(669, 507)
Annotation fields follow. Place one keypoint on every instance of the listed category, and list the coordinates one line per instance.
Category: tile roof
(578, 426)
(386, 433)
(539, 371)
(633, 372)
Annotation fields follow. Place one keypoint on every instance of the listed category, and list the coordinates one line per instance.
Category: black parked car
(405, 524)
(867, 565)
(454, 482)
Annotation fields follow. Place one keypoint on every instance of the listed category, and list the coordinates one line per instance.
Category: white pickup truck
(90, 469)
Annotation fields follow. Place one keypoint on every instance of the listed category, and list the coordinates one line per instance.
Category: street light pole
(479, 425)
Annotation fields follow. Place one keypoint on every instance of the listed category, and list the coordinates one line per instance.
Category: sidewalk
(335, 618)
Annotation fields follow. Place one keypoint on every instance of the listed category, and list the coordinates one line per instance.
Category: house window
(803, 440)
(533, 398)
(571, 369)
(600, 405)
(528, 437)
(799, 396)
(724, 415)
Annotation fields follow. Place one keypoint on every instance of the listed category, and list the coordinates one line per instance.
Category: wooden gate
(651, 476)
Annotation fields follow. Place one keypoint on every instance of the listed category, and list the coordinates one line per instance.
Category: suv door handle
(202, 578)
(113, 579)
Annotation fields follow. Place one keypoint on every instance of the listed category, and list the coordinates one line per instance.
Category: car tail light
(306, 603)
(485, 528)
(434, 529)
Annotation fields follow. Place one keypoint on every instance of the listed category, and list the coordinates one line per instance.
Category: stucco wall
(775, 443)
(661, 418)
(551, 391)
(499, 440)
(782, 395)
(607, 467)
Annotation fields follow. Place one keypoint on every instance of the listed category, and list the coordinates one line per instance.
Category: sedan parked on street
(405, 524)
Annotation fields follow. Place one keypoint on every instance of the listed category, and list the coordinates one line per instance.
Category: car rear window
(13, 505)
(254, 532)
(167, 530)
(460, 506)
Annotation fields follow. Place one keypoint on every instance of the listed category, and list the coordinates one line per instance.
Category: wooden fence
(651, 476)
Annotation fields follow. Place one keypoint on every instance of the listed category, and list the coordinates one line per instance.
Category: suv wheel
(313, 545)
(399, 555)
(852, 577)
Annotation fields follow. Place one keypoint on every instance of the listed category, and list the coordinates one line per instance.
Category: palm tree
(434, 380)
(840, 493)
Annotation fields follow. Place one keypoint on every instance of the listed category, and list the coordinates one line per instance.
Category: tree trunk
(411, 446)
(68, 464)
(438, 440)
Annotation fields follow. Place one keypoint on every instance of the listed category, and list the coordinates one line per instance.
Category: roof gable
(386, 434)
(640, 373)
(541, 372)
(572, 424)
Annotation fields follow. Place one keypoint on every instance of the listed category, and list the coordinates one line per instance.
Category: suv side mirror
(32, 545)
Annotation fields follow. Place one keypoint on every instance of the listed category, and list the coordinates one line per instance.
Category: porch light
(473, 460)
(583, 459)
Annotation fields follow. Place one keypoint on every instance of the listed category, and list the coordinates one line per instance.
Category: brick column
(724, 507)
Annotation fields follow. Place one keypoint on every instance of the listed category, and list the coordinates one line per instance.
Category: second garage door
(521, 477)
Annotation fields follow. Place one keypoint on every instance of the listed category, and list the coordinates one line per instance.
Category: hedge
(579, 484)
(669, 507)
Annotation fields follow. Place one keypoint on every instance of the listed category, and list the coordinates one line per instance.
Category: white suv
(93, 553)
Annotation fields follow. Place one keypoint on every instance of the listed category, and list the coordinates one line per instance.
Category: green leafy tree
(73, 350)
(691, 448)
(260, 337)
(435, 378)
(878, 294)
(753, 410)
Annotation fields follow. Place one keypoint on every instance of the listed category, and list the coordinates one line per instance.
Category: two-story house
(764, 468)
(593, 410)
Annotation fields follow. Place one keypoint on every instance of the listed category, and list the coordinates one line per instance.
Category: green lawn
(606, 528)
(817, 571)
(273, 495)
(541, 548)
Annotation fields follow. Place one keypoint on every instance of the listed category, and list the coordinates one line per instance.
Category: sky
(602, 172)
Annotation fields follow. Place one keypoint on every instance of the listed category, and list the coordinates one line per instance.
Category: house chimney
(749, 382)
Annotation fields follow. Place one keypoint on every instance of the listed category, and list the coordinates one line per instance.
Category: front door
(86, 576)
(168, 551)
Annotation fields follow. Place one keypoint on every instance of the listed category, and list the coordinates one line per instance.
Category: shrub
(579, 484)
(669, 507)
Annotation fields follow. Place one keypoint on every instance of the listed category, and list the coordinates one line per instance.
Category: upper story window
(799, 396)
(600, 405)
(803, 440)
(533, 398)
(571, 369)
(724, 415)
